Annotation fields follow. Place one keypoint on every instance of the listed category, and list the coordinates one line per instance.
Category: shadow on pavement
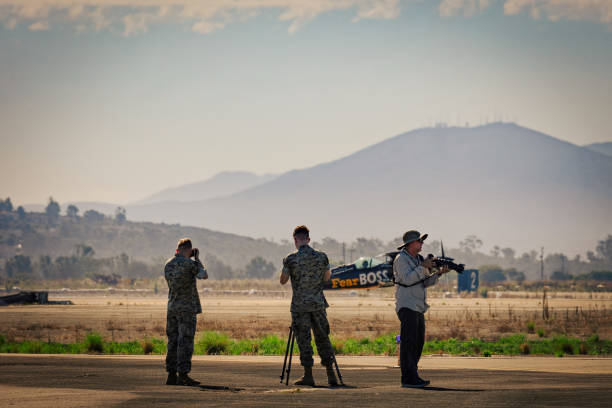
(218, 388)
(449, 389)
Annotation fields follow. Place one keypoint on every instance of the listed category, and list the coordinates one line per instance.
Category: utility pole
(562, 263)
(343, 253)
(542, 263)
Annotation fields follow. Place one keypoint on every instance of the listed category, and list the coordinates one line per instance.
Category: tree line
(496, 265)
(499, 264)
(111, 270)
(53, 210)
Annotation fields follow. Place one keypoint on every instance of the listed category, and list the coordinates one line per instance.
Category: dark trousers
(411, 343)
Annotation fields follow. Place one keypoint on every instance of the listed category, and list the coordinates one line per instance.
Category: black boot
(307, 379)
(171, 378)
(331, 376)
(426, 382)
(184, 379)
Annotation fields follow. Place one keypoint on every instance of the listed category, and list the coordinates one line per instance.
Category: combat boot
(171, 378)
(307, 379)
(184, 379)
(331, 376)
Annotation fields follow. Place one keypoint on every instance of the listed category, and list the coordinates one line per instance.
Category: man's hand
(444, 269)
(427, 263)
(284, 278)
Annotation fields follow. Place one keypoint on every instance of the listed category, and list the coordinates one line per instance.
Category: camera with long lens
(441, 261)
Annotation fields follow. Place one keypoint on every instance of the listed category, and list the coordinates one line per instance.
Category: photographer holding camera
(413, 275)
(183, 306)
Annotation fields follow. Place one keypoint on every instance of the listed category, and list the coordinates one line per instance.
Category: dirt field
(137, 315)
(92, 381)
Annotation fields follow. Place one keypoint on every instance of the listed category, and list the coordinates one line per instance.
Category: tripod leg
(338, 371)
(290, 356)
(282, 376)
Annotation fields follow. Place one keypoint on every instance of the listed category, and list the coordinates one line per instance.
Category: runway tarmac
(252, 381)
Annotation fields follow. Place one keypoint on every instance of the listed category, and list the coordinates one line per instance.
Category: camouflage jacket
(306, 268)
(181, 274)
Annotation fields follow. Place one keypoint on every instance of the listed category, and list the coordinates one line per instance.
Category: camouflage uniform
(307, 268)
(183, 306)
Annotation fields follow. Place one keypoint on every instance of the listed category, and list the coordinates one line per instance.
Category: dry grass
(138, 316)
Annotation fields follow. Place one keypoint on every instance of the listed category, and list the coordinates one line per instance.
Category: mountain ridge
(497, 181)
(219, 185)
(516, 176)
(603, 148)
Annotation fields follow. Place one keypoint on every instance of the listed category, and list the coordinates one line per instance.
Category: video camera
(441, 261)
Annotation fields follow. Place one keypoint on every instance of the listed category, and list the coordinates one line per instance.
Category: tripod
(289, 354)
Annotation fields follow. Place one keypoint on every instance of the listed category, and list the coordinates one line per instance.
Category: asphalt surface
(79, 381)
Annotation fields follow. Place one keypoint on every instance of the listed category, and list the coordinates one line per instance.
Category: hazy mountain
(605, 148)
(505, 183)
(221, 184)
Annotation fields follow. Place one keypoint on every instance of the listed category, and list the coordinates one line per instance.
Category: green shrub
(129, 347)
(530, 327)
(565, 345)
(93, 343)
(217, 343)
(338, 347)
(254, 348)
(159, 346)
(213, 342)
(244, 346)
(147, 346)
(598, 346)
(541, 332)
(484, 292)
(524, 348)
(30, 347)
(271, 345)
(351, 346)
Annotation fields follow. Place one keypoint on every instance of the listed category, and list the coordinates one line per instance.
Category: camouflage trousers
(303, 322)
(180, 329)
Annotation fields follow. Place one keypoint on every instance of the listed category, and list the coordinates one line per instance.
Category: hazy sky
(112, 100)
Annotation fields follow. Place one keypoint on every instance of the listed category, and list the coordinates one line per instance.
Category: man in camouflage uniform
(183, 306)
(308, 269)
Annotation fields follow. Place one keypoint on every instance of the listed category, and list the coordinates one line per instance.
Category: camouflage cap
(411, 236)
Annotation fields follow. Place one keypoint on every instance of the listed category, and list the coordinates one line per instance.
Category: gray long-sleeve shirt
(408, 270)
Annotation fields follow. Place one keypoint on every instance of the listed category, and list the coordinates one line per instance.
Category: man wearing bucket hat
(413, 275)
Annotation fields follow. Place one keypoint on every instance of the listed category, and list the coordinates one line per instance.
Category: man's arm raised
(202, 273)
(284, 276)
